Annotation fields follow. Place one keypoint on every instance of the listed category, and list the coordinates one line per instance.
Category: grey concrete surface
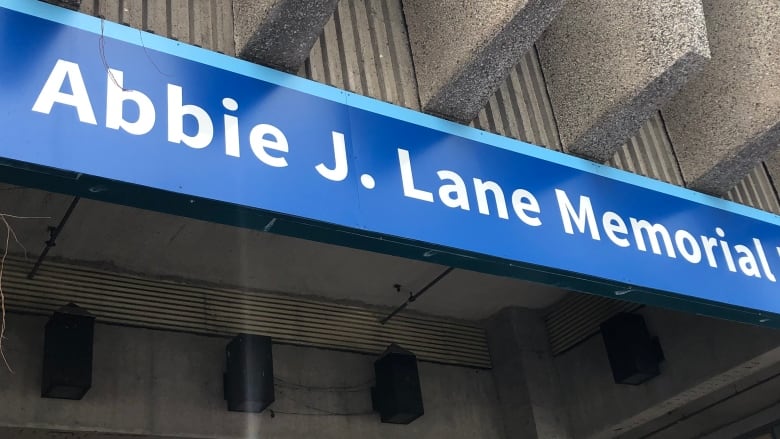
(365, 49)
(279, 33)
(609, 65)
(168, 384)
(761, 419)
(529, 392)
(70, 4)
(131, 240)
(757, 189)
(773, 168)
(207, 24)
(463, 50)
(703, 356)
(39, 433)
(737, 409)
(725, 121)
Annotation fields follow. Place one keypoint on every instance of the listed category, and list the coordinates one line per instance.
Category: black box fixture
(249, 373)
(67, 353)
(634, 355)
(397, 395)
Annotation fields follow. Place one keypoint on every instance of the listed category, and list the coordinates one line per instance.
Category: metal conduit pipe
(54, 232)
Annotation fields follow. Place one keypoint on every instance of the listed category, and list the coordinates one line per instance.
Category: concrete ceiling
(160, 245)
(33, 433)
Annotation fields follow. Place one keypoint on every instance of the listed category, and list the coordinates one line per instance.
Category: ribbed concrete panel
(610, 65)
(756, 190)
(149, 303)
(773, 170)
(364, 48)
(649, 153)
(578, 317)
(727, 120)
(204, 23)
(70, 4)
(520, 108)
(463, 49)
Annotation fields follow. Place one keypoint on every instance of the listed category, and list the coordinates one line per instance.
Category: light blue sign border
(366, 238)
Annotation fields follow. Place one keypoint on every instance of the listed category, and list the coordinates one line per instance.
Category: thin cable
(102, 50)
(345, 389)
(413, 297)
(149, 57)
(274, 411)
(2, 296)
(319, 411)
(53, 234)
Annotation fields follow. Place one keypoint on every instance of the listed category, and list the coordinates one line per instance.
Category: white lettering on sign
(266, 141)
(340, 165)
(583, 217)
(116, 96)
(187, 123)
(739, 258)
(52, 92)
(264, 137)
(177, 111)
(407, 178)
(454, 193)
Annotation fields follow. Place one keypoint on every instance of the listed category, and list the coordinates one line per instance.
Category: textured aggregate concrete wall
(279, 33)
(702, 354)
(610, 64)
(463, 49)
(727, 120)
(168, 384)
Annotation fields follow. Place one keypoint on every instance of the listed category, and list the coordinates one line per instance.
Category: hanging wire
(343, 389)
(415, 296)
(315, 411)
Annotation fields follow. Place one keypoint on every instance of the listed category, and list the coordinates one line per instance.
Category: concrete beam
(703, 356)
(727, 120)
(610, 65)
(279, 33)
(463, 49)
(528, 389)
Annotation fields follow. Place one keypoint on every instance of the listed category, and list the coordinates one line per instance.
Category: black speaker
(634, 355)
(397, 395)
(67, 353)
(249, 373)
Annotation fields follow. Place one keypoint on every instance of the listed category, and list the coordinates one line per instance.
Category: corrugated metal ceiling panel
(130, 300)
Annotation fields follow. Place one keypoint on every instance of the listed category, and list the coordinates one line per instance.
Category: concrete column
(527, 385)
(463, 49)
(609, 65)
(279, 33)
(703, 356)
(727, 120)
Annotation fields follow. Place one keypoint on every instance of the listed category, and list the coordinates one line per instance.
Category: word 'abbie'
(266, 141)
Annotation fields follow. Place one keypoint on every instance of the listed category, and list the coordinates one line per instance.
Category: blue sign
(102, 100)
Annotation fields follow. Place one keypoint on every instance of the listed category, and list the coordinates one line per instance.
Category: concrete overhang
(726, 120)
(153, 244)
